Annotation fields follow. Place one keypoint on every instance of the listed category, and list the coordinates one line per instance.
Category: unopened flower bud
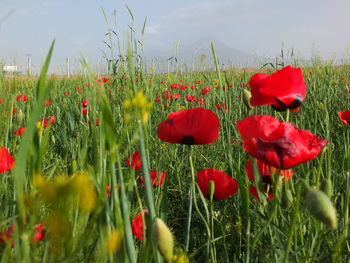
(164, 239)
(321, 207)
(20, 115)
(211, 189)
(246, 98)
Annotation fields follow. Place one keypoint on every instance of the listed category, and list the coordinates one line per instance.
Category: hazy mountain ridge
(199, 56)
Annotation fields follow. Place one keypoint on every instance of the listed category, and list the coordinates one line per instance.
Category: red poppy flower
(137, 225)
(78, 89)
(344, 116)
(157, 178)
(39, 232)
(191, 126)
(104, 79)
(44, 122)
(21, 97)
(278, 144)
(84, 111)
(190, 98)
(265, 172)
(84, 103)
(198, 81)
(66, 93)
(47, 103)
(200, 101)
(225, 185)
(135, 161)
(6, 160)
(5, 235)
(183, 87)
(52, 119)
(19, 131)
(205, 90)
(221, 106)
(284, 89)
(97, 122)
(168, 96)
(254, 192)
(1, 100)
(175, 86)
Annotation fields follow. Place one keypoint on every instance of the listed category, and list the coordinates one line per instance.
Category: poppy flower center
(189, 140)
(266, 179)
(298, 100)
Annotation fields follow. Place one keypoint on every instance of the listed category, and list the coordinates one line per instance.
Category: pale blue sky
(253, 26)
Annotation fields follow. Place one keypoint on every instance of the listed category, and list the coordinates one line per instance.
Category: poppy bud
(327, 187)
(246, 98)
(20, 115)
(211, 189)
(321, 207)
(164, 239)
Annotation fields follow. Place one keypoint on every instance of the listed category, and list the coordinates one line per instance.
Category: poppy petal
(278, 144)
(225, 185)
(6, 160)
(284, 89)
(191, 126)
(344, 116)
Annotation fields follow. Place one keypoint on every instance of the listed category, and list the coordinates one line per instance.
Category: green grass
(231, 230)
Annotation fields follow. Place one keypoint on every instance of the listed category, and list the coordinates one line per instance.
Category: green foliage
(235, 229)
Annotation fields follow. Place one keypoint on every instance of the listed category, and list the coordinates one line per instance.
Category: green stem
(125, 208)
(188, 225)
(147, 178)
(288, 114)
(211, 210)
(209, 249)
(292, 224)
(217, 67)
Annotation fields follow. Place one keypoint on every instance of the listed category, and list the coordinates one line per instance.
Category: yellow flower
(140, 104)
(40, 126)
(114, 240)
(85, 191)
(182, 258)
(127, 104)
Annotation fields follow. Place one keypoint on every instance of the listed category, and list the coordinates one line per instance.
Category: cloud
(151, 30)
(218, 13)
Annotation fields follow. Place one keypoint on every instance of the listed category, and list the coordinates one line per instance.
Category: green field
(72, 178)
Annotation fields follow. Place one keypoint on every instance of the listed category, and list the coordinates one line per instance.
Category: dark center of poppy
(188, 140)
(298, 100)
(266, 179)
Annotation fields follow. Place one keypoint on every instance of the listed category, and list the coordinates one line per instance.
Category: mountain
(198, 56)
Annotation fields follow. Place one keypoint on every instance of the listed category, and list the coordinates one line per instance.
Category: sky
(253, 26)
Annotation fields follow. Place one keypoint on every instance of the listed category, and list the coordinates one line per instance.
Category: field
(74, 191)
